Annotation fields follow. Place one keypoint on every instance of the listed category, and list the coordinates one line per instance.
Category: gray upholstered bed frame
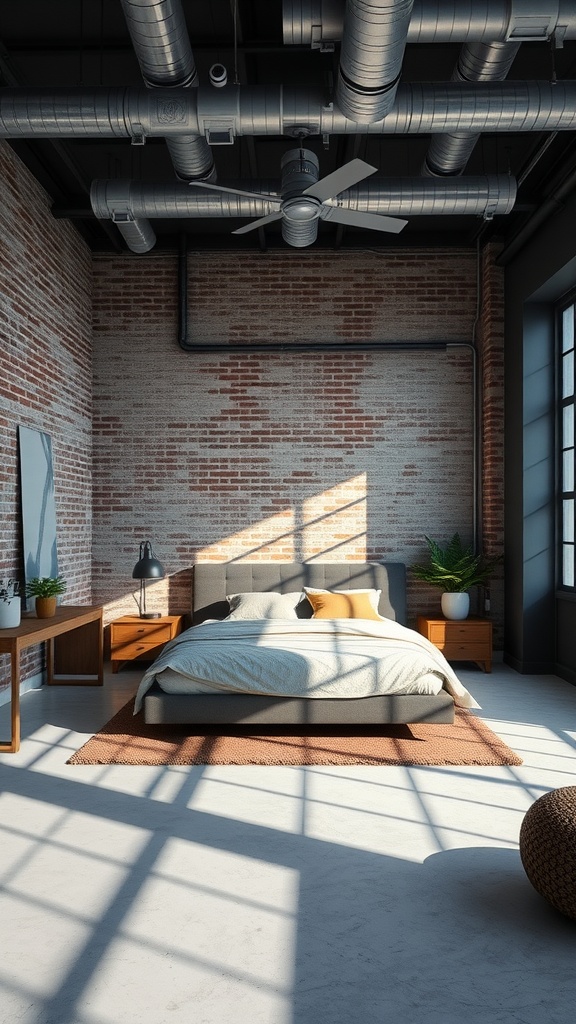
(211, 583)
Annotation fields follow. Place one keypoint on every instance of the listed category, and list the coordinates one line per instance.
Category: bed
(288, 667)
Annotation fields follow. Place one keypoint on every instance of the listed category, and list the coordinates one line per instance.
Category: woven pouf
(548, 848)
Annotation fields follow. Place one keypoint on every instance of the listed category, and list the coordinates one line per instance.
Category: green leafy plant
(46, 586)
(454, 569)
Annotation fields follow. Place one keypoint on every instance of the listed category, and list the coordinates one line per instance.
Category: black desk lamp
(147, 568)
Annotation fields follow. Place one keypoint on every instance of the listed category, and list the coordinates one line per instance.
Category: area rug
(126, 739)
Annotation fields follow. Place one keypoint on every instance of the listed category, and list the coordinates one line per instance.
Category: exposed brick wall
(254, 456)
(45, 374)
(325, 455)
(490, 337)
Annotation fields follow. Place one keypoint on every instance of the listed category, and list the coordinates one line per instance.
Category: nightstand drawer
(151, 633)
(452, 650)
(137, 649)
(453, 632)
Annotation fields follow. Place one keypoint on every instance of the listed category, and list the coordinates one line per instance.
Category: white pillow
(373, 595)
(263, 605)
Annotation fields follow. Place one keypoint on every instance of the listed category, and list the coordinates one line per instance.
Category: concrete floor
(279, 895)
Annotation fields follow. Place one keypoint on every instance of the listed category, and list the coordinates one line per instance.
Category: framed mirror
(37, 504)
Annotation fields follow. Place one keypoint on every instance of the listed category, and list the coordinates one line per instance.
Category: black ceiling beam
(124, 46)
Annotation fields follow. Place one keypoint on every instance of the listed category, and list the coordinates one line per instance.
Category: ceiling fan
(305, 199)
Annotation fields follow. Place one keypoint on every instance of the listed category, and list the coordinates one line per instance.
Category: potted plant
(454, 569)
(46, 590)
(10, 605)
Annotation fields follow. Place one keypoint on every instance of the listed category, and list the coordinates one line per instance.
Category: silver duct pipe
(483, 196)
(319, 23)
(137, 232)
(478, 62)
(373, 44)
(139, 235)
(421, 109)
(160, 39)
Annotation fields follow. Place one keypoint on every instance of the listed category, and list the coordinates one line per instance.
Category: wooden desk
(75, 661)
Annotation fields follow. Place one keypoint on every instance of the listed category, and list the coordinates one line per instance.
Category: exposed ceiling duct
(478, 62)
(320, 23)
(356, 112)
(478, 196)
(373, 43)
(421, 108)
(374, 35)
(160, 39)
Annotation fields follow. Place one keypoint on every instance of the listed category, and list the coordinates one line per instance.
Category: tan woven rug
(125, 739)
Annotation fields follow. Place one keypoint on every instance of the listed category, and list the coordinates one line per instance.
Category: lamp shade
(148, 567)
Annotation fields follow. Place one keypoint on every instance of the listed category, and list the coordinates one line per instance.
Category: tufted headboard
(213, 580)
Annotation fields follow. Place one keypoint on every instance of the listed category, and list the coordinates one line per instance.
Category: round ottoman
(548, 848)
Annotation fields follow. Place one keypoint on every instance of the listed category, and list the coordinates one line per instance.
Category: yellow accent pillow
(341, 605)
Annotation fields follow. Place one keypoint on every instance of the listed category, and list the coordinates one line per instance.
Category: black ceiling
(86, 43)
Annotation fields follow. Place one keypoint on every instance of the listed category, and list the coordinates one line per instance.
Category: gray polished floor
(279, 895)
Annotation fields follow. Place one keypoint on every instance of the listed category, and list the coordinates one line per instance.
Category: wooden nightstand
(464, 640)
(132, 638)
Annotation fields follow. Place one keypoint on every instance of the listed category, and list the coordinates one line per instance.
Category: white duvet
(303, 658)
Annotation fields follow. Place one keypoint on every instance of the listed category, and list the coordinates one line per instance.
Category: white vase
(455, 606)
(10, 613)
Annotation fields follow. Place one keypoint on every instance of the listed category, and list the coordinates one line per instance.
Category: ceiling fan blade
(237, 191)
(355, 219)
(258, 223)
(345, 177)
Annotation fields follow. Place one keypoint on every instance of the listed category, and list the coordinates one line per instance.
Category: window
(566, 330)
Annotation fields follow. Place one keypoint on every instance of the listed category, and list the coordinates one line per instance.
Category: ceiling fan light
(301, 210)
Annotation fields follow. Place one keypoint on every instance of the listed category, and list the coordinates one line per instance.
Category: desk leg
(14, 745)
(50, 661)
(75, 658)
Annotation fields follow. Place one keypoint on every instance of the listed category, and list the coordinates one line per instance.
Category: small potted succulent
(10, 604)
(46, 590)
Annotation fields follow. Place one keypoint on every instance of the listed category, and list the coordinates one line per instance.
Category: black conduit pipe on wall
(281, 346)
(341, 346)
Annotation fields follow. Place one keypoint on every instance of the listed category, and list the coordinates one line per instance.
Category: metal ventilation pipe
(420, 109)
(161, 43)
(137, 232)
(139, 235)
(319, 23)
(373, 44)
(478, 62)
(483, 196)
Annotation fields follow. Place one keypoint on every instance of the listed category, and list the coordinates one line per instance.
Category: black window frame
(565, 446)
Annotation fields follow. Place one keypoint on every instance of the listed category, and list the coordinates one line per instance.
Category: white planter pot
(10, 613)
(455, 606)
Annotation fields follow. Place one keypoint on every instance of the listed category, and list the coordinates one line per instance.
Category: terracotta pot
(46, 607)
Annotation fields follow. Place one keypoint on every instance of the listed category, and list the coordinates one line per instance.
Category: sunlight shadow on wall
(341, 511)
(333, 520)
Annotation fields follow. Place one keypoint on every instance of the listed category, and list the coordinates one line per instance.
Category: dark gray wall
(540, 626)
